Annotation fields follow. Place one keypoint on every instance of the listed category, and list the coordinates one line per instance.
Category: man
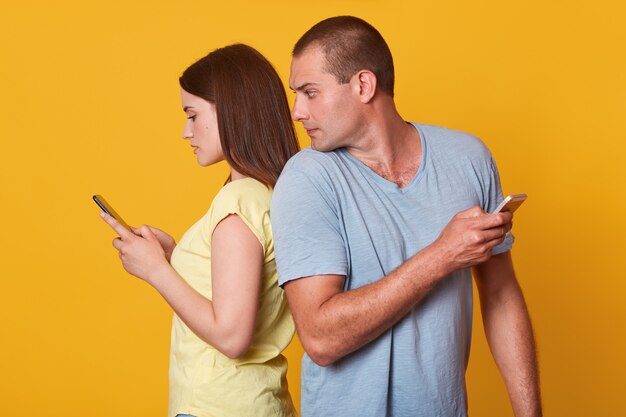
(376, 230)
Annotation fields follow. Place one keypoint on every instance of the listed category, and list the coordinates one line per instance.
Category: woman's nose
(187, 130)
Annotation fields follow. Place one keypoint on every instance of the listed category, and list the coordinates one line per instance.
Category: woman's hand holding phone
(141, 252)
(167, 242)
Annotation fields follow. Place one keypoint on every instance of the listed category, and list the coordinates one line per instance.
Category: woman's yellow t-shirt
(203, 381)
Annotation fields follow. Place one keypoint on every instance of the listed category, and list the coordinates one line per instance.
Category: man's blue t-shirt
(331, 214)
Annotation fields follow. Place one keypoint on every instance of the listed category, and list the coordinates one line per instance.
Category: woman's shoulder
(245, 186)
(243, 195)
(250, 200)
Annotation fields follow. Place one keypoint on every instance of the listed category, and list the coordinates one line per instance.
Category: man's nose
(298, 113)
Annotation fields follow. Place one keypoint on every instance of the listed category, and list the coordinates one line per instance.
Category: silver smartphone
(511, 203)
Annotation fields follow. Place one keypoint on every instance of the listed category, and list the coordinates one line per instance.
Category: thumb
(472, 212)
(156, 232)
(145, 232)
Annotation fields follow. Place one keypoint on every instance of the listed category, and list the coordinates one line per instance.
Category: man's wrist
(440, 259)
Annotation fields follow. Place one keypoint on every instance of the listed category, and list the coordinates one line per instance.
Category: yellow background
(90, 104)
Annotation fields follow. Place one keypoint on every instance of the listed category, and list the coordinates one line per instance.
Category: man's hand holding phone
(472, 234)
(469, 237)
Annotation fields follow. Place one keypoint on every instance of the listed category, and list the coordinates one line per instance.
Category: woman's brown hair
(253, 118)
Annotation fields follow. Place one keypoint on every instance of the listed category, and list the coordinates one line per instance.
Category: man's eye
(310, 93)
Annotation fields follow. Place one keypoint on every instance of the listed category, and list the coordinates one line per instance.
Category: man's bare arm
(509, 332)
(332, 323)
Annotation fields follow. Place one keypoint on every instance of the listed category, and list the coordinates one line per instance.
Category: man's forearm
(349, 320)
(510, 336)
(333, 323)
(512, 343)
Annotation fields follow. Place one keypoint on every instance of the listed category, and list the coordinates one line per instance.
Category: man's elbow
(322, 361)
(319, 351)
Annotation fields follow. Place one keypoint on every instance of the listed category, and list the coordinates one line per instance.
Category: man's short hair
(349, 45)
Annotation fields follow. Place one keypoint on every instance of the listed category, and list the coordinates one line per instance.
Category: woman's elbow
(231, 344)
(235, 347)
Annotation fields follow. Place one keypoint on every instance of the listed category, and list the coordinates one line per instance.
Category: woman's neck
(236, 175)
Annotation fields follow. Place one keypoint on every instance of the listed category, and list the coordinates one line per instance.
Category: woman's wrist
(160, 272)
(170, 251)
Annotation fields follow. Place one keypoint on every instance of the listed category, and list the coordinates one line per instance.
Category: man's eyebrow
(303, 86)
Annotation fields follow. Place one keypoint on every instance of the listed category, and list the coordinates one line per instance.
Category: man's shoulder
(309, 156)
(310, 174)
(313, 164)
(452, 141)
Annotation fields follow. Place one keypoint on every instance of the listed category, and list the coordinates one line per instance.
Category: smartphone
(511, 203)
(106, 207)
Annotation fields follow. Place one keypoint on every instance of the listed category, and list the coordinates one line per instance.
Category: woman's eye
(192, 117)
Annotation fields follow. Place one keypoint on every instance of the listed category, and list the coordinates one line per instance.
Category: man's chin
(322, 147)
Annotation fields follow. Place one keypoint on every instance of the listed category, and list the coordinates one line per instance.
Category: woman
(231, 320)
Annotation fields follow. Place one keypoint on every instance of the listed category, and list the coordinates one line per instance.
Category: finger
(496, 233)
(506, 216)
(157, 232)
(146, 232)
(115, 225)
(495, 220)
(117, 243)
(472, 212)
(495, 242)
(135, 230)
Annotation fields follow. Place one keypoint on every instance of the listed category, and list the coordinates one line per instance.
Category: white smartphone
(511, 203)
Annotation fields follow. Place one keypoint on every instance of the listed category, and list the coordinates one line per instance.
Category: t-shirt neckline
(385, 183)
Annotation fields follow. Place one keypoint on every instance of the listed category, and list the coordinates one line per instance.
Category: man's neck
(391, 148)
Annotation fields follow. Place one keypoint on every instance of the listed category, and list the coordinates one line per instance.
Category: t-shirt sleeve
(308, 237)
(234, 199)
(492, 198)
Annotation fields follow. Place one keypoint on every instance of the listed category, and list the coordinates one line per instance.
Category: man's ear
(364, 83)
